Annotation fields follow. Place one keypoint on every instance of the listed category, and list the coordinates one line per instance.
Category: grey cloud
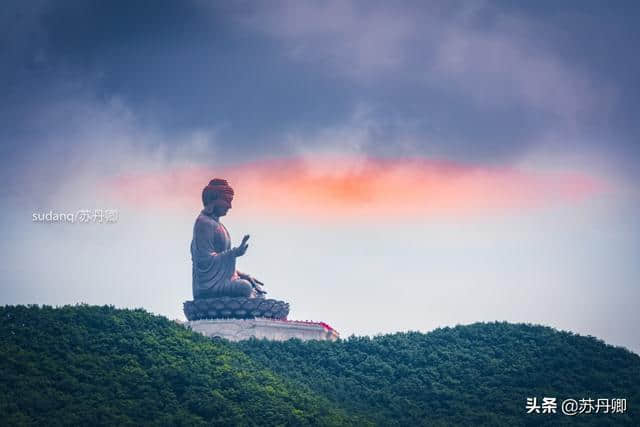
(486, 81)
(492, 64)
(483, 82)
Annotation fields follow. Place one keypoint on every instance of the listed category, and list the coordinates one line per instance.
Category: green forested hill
(88, 365)
(479, 374)
(100, 365)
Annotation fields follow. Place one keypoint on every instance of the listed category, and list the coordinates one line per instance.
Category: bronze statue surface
(213, 258)
(219, 290)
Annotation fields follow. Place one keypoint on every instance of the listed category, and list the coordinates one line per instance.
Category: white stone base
(271, 329)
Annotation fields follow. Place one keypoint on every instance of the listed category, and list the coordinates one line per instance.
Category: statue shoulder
(206, 219)
(205, 222)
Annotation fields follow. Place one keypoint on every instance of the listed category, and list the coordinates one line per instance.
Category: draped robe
(213, 261)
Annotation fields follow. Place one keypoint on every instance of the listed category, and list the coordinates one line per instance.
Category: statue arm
(249, 278)
(257, 284)
(205, 239)
(213, 264)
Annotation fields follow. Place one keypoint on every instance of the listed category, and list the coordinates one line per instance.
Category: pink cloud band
(356, 187)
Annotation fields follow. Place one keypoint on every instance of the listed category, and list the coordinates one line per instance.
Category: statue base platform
(271, 329)
(235, 308)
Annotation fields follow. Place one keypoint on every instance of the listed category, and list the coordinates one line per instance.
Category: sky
(399, 166)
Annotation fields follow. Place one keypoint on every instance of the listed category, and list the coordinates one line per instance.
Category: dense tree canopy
(467, 375)
(101, 365)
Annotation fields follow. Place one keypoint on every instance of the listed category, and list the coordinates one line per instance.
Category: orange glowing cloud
(360, 187)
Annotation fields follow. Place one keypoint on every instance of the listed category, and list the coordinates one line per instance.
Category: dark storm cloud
(483, 83)
(174, 63)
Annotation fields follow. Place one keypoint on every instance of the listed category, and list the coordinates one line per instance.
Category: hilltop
(105, 366)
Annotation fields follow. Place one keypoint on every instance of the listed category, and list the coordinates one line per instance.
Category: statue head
(217, 197)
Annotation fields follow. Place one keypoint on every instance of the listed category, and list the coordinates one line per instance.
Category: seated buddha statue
(213, 258)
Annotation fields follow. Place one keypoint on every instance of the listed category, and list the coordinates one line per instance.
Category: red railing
(310, 322)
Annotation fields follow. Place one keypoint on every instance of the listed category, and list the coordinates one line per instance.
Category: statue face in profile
(217, 198)
(221, 206)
